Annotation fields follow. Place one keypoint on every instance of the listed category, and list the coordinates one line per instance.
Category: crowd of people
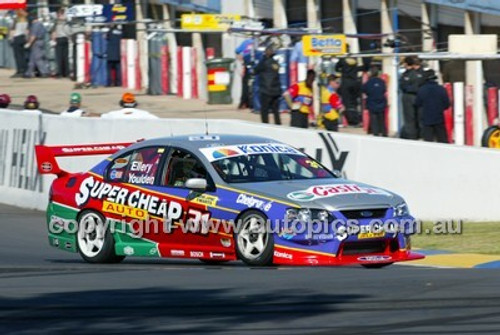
(128, 110)
(424, 100)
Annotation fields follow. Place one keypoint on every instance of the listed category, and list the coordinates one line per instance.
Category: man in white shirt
(129, 110)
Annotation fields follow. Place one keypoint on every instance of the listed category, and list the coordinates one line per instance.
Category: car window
(138, 167)
(181, 166)
(269, 167)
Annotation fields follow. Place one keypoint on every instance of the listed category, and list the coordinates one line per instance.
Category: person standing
(60, 35)
(350, 88)
(331, 104)
(244, 53)
(376, 102)
(19, 34)
(114, 57)
(36, 44)
(269, 85)
(410, 82)
(299, 98)
(433, 99)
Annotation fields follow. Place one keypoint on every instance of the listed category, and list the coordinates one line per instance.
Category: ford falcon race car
(220, 198)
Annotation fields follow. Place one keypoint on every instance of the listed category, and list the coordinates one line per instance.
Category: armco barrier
(439, 181)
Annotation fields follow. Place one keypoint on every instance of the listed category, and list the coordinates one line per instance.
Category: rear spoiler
(46, 155)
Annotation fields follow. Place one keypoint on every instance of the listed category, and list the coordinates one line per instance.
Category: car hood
(330, 194)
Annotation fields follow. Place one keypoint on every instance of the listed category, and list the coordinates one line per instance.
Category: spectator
(410, 82)
(60, 34)
(433, 100)
(129, 110)
(331, 104)
(19, 34)
(4, 100)
(36, 44)
(299, 98)
(376, 102)
(350, 88)
(269, 86)
(244, 53)
(31, 104)
(74, 109)
(114, 57)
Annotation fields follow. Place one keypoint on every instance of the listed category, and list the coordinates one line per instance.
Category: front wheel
(254, 244)
(95, 242)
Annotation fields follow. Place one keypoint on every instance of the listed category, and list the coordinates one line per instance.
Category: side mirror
(196, 184)
(337, 173)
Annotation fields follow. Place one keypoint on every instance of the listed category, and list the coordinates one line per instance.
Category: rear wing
(46, 155)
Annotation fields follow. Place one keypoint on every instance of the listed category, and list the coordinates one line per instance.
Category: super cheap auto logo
(216, 153)
(326, 191)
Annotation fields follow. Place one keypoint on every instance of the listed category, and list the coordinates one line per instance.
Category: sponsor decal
(128, 250)
(362, 236)
(205, 199)
(253, 202)
(91, 149)
(136, 213)
(287, 233)
(91, 188)
(216, 153)
(115, 174)
(226, 242)
(46, 166)
(197, 254)
(152, 251)
(177, 252)
(374, 258)
(68, 245)
(281, 254)
(120, 163)
(55, 242)
(326, 191)
(204, 138)
(217, 255)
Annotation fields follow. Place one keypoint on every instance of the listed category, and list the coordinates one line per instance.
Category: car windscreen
(269, 167)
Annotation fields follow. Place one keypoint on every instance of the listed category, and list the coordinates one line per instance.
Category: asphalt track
(47, 291)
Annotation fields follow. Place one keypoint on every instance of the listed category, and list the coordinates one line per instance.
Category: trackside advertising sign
(320, 45)
(12, 4)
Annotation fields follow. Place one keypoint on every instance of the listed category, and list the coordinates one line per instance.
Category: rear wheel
(254, 244)
(95, 242)
(376, 266)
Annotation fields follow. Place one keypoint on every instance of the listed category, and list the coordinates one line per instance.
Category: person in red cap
(4, 100)
(31, 104)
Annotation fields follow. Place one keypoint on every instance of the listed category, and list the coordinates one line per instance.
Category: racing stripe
(258, 195)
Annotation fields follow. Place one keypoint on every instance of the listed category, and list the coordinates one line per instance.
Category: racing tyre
(254, 244)
(491, 137)
(95, 243)
(376, 266)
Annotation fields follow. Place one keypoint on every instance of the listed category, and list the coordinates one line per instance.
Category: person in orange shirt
(299, 98)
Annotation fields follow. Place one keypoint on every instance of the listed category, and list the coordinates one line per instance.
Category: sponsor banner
(102, 13)
(12, 4)
(216, 153)
(253, 202)
(136, 213)
(320, 45)
(208, 21)
(326, 191)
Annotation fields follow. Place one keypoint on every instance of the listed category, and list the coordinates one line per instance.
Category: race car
(220, 198)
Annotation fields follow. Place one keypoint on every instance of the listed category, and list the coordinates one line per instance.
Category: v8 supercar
(220, 198)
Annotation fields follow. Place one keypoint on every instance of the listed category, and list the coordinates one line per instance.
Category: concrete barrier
(438, 181)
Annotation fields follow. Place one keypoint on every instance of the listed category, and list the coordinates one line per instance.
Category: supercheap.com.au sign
(12, 4)
(319, 45)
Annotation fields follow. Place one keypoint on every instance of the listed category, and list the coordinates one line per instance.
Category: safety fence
(438, 181)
